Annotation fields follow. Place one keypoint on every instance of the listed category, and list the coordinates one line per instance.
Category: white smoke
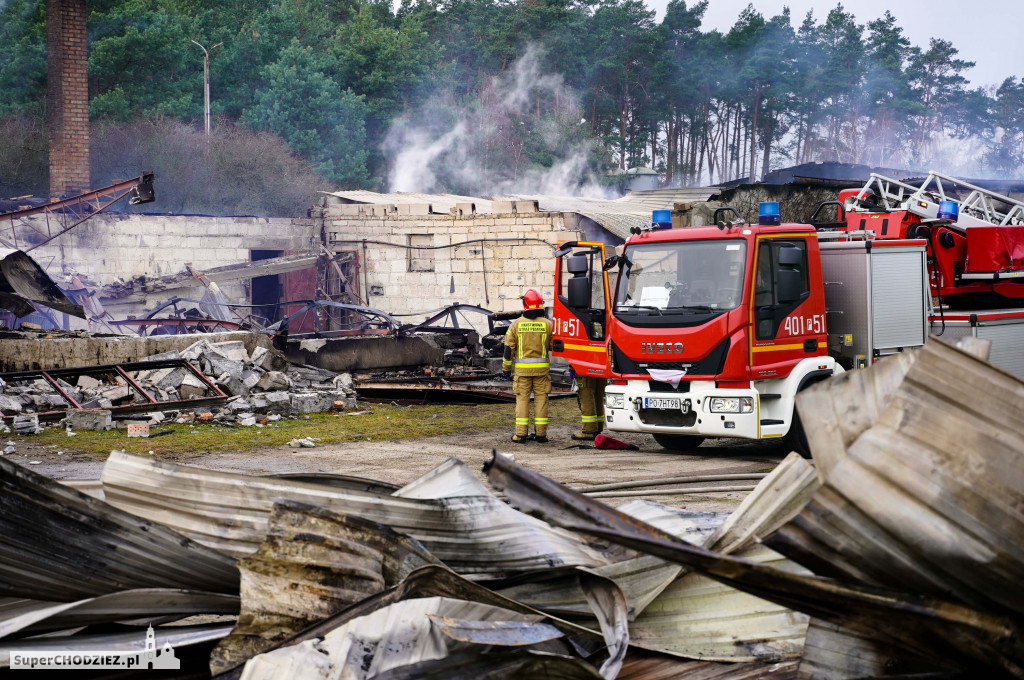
(959, 157)
(484, 150)
(410, 170)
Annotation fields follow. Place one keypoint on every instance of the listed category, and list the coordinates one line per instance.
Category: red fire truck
(712, 331)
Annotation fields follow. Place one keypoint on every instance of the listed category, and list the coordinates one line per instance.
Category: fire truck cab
(712, 331)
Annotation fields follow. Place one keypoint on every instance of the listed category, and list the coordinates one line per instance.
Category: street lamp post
(206, 82)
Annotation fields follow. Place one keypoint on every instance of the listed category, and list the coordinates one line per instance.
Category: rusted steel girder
(122, 371)
(68, 213)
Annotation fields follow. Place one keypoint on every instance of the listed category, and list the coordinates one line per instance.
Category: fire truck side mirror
(578, 288)
(577, 264)
(790, 279)
(790, 257)
(579, 292)
(790, 286)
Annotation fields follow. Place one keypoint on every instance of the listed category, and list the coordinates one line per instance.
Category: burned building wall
(416, 261)
(121, 251)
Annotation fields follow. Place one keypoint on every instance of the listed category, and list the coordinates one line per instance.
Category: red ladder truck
(975, 251)
(712, 331)
(975, 236)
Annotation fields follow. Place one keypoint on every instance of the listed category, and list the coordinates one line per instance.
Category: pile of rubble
(226, 383)
(263, 383)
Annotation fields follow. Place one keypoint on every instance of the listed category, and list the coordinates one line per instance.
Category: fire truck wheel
(796, 438)
(678, 442)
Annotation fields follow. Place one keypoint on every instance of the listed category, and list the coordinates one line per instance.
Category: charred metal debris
(895, 552)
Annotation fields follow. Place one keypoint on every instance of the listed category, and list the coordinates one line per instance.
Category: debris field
(894, 551)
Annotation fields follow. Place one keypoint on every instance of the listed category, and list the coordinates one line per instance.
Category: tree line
(700, 106)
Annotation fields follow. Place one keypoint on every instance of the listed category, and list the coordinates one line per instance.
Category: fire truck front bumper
(704, 410)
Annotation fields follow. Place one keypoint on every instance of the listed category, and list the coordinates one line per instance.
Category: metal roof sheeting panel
(59, 544)
(312, 563)
(965, 637)
(929, 499)
(472, 534)
(33, 615)
(442, 203)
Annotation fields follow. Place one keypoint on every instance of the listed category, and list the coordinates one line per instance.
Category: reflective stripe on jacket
(530, 342)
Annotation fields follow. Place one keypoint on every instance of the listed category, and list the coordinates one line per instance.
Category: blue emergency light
(949, 210)
(661, 219)
(768, 213)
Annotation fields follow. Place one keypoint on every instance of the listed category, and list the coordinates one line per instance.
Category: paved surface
(402, 461)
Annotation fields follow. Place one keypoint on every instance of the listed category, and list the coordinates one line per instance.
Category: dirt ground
(402, 461)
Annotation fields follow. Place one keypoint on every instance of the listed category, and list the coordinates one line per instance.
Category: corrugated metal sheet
(437, 581)
(700, 618)
(839, 653)
(312, 563)
(450, 479)
(776, 500)
(497, 664)
(442, 203)
(646, 666)
(929, 499)
(432, 581)
(928, 626)
(688, 614)
(472, 534)
(462, 599)
(33, 615)
(402, 634)
(641, 578)
(837, 425)
(61, 545)
(90, 487)
(617, 216)
(663, 199)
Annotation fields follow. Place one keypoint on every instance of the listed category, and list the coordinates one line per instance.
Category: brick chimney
(67, 96)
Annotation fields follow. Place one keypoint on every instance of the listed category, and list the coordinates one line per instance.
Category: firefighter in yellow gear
(591, 398)
(527, 359)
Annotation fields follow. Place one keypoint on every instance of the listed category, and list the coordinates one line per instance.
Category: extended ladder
(981, 207)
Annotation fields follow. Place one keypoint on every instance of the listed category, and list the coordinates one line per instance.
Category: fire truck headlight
(614, 401)
(732, 405)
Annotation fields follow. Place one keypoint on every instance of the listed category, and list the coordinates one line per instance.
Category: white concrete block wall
(109, 247)
(511, 268)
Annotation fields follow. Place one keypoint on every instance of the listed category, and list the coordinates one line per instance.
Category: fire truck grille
(658, 386)
(657, 416)
(709, 365)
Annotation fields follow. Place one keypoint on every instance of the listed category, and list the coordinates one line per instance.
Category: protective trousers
(591, 396)
(540, 385)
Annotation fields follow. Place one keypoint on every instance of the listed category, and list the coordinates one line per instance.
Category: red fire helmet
(532, 300)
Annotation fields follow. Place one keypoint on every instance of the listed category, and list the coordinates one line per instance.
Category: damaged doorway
(268, 292)
(339, 282)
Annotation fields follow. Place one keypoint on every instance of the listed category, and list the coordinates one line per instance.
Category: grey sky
(986, 32)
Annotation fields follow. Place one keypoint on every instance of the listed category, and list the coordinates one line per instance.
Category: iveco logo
(661, 348)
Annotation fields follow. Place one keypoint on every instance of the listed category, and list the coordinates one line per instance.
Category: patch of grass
(384, 422)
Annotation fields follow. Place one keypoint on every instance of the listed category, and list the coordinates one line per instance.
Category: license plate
(661, 403)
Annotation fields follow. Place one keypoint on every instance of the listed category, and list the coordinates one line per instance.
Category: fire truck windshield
(680, 278)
